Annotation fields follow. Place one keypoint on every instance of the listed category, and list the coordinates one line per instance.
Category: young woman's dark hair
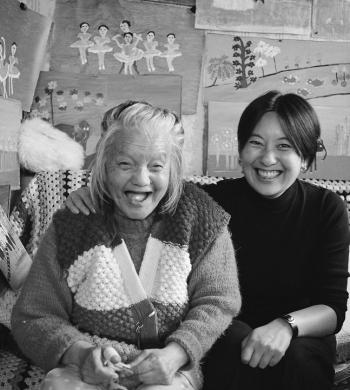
(296, 116)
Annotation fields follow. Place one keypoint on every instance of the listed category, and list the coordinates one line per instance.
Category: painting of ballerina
(21, 56)
(129, 39)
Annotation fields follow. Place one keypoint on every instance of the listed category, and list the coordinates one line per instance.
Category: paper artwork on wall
(23, 38)
(255, 16)
(11, 115)
(239, 69)
(75, 103)
(43, 7)
(129, 39)
(222, 157)
(330, 19)
(187, 3)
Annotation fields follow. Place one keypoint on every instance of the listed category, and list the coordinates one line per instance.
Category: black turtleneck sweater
(292, 251)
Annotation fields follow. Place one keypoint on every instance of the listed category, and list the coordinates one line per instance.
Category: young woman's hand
(266, 345)
(80, 201)
(158, 366)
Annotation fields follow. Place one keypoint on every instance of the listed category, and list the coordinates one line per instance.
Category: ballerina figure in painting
(83, 43)
(130, 53)
(151, 50)
(171, 52)
(4, 67)
(100, 47)
(14, 72)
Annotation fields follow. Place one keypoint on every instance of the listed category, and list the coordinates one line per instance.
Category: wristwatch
(291, 322)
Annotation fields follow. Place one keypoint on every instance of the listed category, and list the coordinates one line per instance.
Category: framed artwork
(330, 20)
(239, 69)
(222, 157)
(255, 16)
(11, 115)
(24, 34)
(128, 39)
(75, 103)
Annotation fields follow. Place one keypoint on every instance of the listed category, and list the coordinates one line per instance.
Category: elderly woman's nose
(141, 176)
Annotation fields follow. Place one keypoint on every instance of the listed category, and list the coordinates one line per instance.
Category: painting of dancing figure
(83, 43)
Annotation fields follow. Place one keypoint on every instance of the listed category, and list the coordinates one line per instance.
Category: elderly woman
(135, 294)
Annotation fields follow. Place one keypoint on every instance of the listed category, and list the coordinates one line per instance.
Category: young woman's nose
(268, 156)
(141, 176)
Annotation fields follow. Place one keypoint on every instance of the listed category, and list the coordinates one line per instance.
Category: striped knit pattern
(101, 304)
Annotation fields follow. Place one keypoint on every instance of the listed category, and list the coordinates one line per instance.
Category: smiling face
(138, 176)
(269, 162)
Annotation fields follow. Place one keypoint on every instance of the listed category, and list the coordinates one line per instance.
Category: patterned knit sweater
(79, 285)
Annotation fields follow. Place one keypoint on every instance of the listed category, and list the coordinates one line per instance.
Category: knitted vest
(91, 257)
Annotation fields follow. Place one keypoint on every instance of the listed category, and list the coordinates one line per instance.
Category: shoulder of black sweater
(225, 191)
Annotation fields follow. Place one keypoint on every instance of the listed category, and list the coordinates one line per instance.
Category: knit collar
(134, 226)
(275, 205)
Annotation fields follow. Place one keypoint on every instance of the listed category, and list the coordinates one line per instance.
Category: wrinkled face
(138, 176)
(269, 161)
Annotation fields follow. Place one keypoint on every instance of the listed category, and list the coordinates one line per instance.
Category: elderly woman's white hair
(142, 116)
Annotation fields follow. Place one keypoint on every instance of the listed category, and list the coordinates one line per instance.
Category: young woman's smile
(269, 161)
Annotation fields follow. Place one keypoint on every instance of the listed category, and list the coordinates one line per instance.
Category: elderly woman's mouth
(137, 196)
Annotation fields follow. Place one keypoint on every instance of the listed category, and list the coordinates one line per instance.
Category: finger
(78, 204)
(276, 359)
(110, 354)
(247, 352)
(140, 358)
(70, 206)
(86, 197)
(265, 359)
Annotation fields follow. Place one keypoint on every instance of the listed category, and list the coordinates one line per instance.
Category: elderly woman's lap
(68, 378)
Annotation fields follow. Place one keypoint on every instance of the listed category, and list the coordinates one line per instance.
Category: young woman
(291, 240)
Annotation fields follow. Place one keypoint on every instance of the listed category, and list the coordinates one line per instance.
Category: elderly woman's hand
(266, 345)
(80, 201)
(158, 366)
(95, 364)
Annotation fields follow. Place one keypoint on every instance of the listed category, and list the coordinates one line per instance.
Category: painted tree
(220, 68)
(260, 63)
(272, 52)
(263, 49)
(243, 62)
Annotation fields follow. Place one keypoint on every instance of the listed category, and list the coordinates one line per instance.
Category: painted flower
(52, 85)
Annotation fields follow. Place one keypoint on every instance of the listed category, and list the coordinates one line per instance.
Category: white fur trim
(41, 147)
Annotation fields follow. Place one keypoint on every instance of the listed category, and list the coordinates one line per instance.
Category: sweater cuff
(191, 346)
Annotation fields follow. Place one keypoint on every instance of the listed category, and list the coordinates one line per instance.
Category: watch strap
(291, 322)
